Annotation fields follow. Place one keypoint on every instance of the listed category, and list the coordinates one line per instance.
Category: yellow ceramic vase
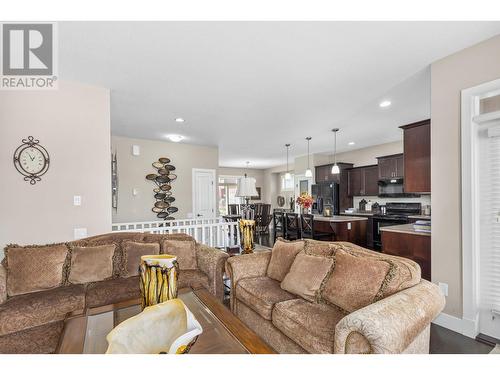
(159, 275)
(247, 228)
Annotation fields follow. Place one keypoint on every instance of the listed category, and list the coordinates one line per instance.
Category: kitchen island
(342, 228)
(403, 240)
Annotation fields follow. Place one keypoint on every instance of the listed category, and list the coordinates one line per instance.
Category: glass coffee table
(223, 332)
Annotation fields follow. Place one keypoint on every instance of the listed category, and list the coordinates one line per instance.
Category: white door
(204, 193)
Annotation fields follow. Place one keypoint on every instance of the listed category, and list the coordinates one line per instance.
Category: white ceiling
(251, 87)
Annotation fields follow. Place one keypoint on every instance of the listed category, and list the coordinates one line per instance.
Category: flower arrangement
(304, 200)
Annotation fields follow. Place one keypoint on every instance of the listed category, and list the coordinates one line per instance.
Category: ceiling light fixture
(175, 137)
(308, 170)
(179, 119)
(287, 174)
(351, 143)
(335, 168)
(385, 103)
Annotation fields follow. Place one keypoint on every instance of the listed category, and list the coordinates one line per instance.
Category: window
(287, 185)
(227, 193)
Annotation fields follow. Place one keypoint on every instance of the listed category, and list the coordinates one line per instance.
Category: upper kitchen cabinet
(363, 181)
(391, 166)
(417, 157)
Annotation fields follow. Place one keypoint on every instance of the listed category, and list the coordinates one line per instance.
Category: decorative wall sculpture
(162, 193)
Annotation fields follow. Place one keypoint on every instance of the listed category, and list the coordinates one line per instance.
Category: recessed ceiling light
(179, 119)
(385, 103)
(175, 137)
(351, 143)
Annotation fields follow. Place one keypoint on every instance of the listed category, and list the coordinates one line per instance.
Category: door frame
(470, 121)
(296, 187)
(214, 190)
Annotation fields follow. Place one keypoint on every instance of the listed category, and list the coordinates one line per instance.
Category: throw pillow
(91, 263)
(355, 281)
(132, 252)
(34, 268)
(306, 275)
(184, 250)
(282, 257)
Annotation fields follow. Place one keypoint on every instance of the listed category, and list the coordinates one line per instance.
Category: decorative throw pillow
(282, 257)
(132, 252)
(320, 248)
(34, 268)
(355, 281)
(306, 275)
(184, 250)
(91, 263)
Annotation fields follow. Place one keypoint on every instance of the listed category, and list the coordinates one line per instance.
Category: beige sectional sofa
(40, 285)
(333, 297)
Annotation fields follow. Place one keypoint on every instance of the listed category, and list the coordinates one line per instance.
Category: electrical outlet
(444, 288)
(349, 226)
(77, 200)
(79, 233)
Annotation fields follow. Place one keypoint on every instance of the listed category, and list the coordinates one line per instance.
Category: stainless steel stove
(395, 213)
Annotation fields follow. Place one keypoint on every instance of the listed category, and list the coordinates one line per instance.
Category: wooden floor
(443, 341)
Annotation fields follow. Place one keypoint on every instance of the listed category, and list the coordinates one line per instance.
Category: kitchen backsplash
(424, 200)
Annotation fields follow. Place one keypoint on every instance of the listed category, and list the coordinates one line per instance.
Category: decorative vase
(158, 278)
(168, 327)
(305, 211)
(247, 228)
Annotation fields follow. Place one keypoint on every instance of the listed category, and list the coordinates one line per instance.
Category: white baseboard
(465, 327)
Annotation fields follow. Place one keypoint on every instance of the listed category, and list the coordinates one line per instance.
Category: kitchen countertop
(338, 218)
(357, 213)
(403, 228)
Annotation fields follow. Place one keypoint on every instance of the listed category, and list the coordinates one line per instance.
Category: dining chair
(307, 227)
(279, 224)
(292, 226)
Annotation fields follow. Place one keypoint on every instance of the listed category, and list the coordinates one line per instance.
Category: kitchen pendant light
(308, 170)
(335, 168)
(287, 174)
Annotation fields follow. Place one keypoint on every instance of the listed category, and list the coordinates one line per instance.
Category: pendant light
(287, 174)
(308, 170)
(335, 168)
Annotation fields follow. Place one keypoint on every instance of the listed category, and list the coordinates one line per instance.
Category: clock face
(32, 160)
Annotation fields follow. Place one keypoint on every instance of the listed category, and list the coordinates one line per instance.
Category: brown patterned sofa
(40, 285)
(333, 297)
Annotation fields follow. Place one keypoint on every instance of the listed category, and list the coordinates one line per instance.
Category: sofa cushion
(282, 257)
(184, 250)
(131, 255)
(35, 309)
(404, 273)
(36, 340)
(192, 278)
(311, 325)
(112, 291)
(34, 268)
(91, 263)
(306, 275)
(261, 294)
(355, 281)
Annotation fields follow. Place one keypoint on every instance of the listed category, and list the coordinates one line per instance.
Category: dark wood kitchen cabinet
(363, 181)
(391, 166)
(417, 157)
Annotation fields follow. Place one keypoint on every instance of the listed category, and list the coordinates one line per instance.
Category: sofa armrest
(211, 261)
(391, 324)
(245, 266)
(3, 284)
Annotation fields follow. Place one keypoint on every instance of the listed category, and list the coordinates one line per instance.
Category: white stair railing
(214, 232)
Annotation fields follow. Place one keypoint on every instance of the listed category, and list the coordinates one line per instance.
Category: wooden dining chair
(279, 224)
(292, 226)
(233, 209)
(307, 228)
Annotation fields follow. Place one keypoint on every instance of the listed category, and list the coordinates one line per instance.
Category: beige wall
(368, 155)
(467, 68)
(132, 171)
(258, 174)
(73, 124)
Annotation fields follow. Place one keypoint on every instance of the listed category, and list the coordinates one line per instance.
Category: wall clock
(31, 160)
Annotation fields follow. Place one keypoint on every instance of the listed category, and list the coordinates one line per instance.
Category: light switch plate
(136, 150)
(444, 288)
(135, 191)
(77, 200)
(79, 233)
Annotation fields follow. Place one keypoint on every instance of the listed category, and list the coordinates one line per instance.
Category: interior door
(204, 193)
